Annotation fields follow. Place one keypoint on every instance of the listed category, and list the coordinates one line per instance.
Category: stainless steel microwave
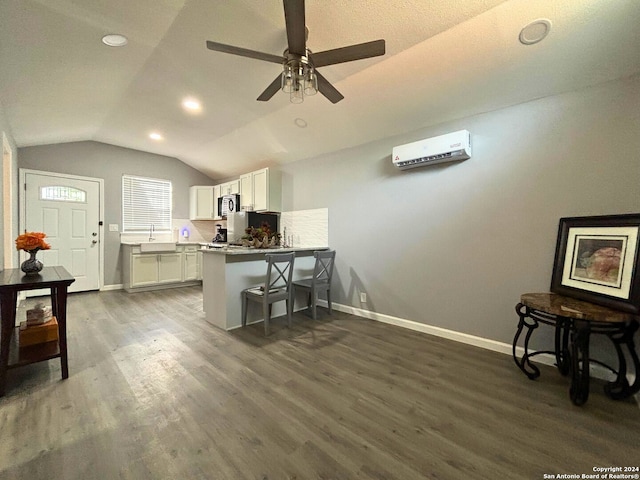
(228, 204)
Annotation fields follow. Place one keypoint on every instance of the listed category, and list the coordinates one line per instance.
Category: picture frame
(597, 259)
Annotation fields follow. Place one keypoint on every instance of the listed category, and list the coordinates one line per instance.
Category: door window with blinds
(145, 202)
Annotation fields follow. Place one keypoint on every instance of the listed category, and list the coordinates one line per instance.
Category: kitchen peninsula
(228, 271)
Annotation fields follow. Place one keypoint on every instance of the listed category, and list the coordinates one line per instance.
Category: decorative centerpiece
(261, 237)
(31, 242)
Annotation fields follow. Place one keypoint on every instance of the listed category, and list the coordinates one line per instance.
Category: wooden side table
(13, 281)
(575, 321)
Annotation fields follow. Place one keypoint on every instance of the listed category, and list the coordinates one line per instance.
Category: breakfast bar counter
(227, 271)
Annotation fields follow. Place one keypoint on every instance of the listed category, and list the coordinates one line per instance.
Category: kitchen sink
(157, 247)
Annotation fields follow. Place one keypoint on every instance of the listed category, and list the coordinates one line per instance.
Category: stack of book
(40, 327)
(38, 315)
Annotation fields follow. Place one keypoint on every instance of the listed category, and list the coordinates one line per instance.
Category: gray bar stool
(277, 287)
(321, 280)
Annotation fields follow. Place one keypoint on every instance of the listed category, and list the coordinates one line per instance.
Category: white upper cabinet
(216, 194)
(230, 188)
(246, 190)
(201, 202)
(261, 190)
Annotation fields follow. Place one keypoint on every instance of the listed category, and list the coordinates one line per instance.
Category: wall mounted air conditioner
(445, 148)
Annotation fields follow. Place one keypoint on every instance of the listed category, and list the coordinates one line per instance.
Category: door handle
(94, 242)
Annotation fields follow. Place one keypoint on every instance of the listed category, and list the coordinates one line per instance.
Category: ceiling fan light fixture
(297, 94)
(310, 82)
(299, 79)
(287, 79)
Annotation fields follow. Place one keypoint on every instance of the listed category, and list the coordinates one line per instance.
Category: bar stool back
(277, 287)
(321, 280)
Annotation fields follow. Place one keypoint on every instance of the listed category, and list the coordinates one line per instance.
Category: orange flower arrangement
(30, 241)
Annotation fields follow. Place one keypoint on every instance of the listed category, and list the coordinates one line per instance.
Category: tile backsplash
(305, 228)
(300, 228)
(200, 231)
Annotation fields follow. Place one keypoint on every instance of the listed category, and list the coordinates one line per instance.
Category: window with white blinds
(145, 202)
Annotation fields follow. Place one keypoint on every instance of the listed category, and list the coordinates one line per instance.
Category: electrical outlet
(113, 227)
(363, 297)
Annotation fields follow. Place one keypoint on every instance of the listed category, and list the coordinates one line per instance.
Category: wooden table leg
(59, 296)
(8, 316)
(54, 301)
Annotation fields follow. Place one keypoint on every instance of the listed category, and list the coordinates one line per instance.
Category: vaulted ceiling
(445, 59)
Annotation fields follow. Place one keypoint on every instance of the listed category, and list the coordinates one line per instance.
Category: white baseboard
(596, 370)
(115, 286)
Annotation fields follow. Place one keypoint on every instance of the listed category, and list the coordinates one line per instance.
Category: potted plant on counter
(261, 237)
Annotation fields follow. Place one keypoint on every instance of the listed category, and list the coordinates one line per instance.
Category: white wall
(455, 245)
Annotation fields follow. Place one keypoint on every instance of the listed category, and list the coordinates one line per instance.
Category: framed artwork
(597, 260)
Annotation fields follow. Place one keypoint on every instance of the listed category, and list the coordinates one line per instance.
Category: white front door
(67, 210)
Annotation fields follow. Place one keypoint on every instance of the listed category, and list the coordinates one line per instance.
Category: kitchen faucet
(151, 233)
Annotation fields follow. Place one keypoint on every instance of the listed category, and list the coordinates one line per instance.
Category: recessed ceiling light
(115, 40)
(300, 122)
(535, 31)
(155, 136)
(191, 105)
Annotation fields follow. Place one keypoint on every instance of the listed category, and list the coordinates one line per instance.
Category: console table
(12, 281)
(574, 322)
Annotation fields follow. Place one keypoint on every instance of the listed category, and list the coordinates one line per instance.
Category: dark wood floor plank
(155, 392)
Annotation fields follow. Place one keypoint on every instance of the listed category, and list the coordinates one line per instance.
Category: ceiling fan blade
(271, 90)
(348, 54)
(328, 90)
(296, 29)
(244, 52)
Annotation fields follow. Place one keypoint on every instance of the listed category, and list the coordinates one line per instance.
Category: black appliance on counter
(255, 219)
(221, 235)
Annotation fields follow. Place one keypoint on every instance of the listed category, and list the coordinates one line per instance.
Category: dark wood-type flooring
(156, 393)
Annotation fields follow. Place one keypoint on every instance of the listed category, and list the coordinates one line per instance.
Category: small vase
(31, 266)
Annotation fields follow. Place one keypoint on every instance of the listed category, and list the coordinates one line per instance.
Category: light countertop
(160, 241)
(252, 251)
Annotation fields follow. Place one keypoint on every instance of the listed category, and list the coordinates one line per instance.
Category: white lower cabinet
(170, 267)
(191, 264)
(148, 271)
(144, 270)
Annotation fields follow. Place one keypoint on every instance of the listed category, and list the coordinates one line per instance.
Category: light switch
(113, 227)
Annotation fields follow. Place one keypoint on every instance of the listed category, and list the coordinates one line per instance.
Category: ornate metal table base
(572, 342)
(531, 319)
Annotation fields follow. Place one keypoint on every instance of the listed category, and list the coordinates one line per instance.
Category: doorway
(68, 209)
